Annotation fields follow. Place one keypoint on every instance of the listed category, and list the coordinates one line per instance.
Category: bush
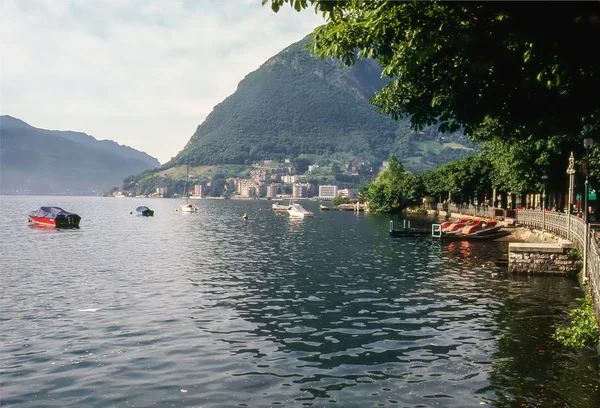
(340, 200)
(574, 254)
(583, 330)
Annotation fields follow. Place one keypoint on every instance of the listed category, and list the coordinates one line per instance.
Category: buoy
(245, 216)
(130, 212)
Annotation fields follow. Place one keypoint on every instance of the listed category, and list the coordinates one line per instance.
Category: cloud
(141, 72)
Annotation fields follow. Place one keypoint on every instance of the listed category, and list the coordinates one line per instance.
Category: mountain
(40, 161)
(297, 103)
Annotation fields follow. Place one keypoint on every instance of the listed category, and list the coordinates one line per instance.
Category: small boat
(296, 210)
(188, 207)
(407, 230)
(185, 205)
(484, 227)
(144, 211)
(457, 226)
(279, 207)
(323, 207)
(54, 217)
(480, 229)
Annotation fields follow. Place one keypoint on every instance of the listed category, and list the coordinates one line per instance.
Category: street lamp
(571, 173)
(588, 143)
(544, 177)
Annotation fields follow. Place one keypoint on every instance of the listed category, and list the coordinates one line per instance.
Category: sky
(144, 73)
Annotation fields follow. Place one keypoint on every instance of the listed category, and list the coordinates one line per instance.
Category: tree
(340, 199)
(301, 164)
(389, 192)
(497, 70)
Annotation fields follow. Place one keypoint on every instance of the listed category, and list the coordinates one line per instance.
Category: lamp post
(544, 177)
(571, 173)
(588, 143)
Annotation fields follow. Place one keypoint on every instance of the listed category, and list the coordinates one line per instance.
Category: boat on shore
(54, 217)
(456, 226)
(474, 237)
(296, 210)
(478, 229)
(144, 211)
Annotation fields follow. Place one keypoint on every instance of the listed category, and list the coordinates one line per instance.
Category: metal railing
(466, 209)
(572, 228)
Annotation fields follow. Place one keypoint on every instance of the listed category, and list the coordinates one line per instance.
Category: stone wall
(546, 259)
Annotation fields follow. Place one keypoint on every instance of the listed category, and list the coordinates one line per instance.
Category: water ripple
(212, 310)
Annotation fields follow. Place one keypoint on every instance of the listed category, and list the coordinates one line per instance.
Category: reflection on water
(212, 310)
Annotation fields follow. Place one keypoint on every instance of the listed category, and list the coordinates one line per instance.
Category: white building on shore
(328, 192)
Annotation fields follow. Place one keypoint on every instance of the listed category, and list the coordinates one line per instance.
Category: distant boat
(296, 210)
(323, 207)
(185, 205)
(54, 217)
(279, 207)
(144, 211)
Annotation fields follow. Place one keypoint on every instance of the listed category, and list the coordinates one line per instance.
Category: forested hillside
(297, 103)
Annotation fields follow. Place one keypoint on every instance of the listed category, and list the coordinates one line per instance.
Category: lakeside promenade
(567, 226)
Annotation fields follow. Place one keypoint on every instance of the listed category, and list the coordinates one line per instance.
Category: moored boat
(188, 207)
(279, 207)
(484, 227)
(479, 229)
(144, 211)
(54, 217)
(185, 204)
(457, 226)
(296, 210)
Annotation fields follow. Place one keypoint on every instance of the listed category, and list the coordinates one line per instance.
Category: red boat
(54, 217)
(456, 226)
(477, 229)
(483, 227)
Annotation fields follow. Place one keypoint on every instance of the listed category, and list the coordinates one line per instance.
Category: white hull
(189, 208)
(280, 207)
(296, 210)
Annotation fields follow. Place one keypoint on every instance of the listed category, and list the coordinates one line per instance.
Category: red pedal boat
(458, 225)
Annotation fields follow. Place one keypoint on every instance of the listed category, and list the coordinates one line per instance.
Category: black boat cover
(50, 212)
(142, 209)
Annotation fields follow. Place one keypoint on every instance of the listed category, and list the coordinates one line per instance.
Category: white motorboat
(296, 210)
(188, 207)
(279, 207)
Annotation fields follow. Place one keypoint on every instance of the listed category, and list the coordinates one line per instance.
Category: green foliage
(574, 254)
(340, 200)
(583, 330)
(391, 190)
(465, 180)
(499, 70)
(301, 164)
(300, 106)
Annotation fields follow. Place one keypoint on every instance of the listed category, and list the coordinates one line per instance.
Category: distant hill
(40, 161)
(297, 103)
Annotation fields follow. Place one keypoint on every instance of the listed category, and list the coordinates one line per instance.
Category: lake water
(210, 310)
